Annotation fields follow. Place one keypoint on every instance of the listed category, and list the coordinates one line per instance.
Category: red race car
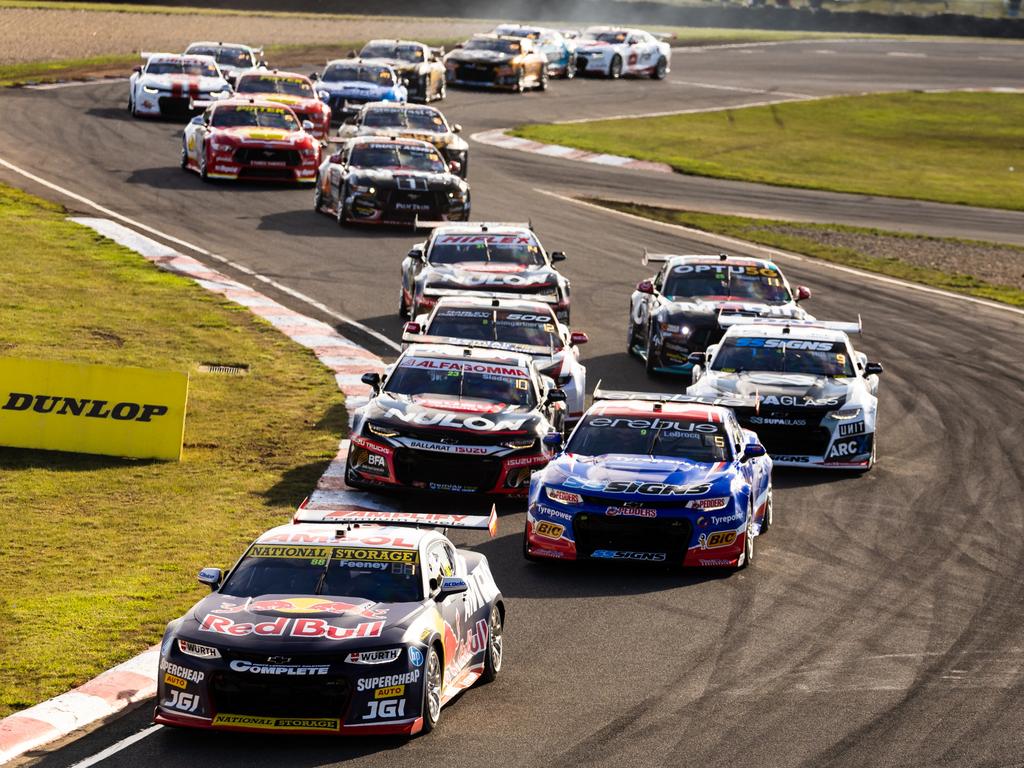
(250, 139)
(293, 90)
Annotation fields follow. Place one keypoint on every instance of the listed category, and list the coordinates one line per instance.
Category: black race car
(458, 420)
(381, 180)
(419, 66)
(342, 623)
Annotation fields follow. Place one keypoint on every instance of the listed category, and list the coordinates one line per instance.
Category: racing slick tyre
(131, 106)
(492, 658)
(615, 68)
(871, 459)
(442, 90)
(748, 543)
(521, 82)
(403, 307)
(542, 85)
(649, 362)
(204, 172)
(570, 69)
(341, 212)
(769, 514)
(631, 340)
(660, 69)
(433, 674)
(183, 162)
(318, 197)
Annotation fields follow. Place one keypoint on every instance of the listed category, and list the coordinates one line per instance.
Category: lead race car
(815, 398)
(169, 83)
(486, 256)
(411, 121)
(494, 321)
(382, 180)
(250, 139)
(676, 312)
(617, 51)
(343, 622)
(458, 420)
(649, 478)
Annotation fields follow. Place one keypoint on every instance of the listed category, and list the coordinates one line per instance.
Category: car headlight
(219, 146)
(380, 431)
(562, 497)
(595, 54)
(363, 189)
(674, 329)
(148, 89)
(519, 445)
(324, 95)
(845, 414)
(222, 94)
(198, 650)
(457, 194)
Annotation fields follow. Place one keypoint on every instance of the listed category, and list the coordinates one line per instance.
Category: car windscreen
(289, 86)
(380, 575)
(229, 57)
(606, 37)
(532, 34)
(410, 53)
(496, 325)
(230, 116)
(518, 248)
(667, 436)
(425, 120)
(504, 383)
(397, 157)
(192, 68)
(358, 73)
(819, 358)
(763, 284)
(509, 47)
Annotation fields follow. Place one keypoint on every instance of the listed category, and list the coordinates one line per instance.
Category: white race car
(616, 51)
(813, 397)
(494, 321)
(169, 83)
(233, 59)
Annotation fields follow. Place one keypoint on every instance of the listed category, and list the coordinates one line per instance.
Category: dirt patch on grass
(33, 34)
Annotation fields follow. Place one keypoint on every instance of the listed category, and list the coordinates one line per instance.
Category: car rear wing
(427, 224)
(663, 36)
(502, 346)
(670, 397)
(487, 523)
(440, 292)
(728, 319)
(151, 54)
(660, 258)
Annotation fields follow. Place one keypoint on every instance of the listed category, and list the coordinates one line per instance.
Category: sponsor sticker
(388, 681)
(177, 682)
(184, 674)
(856, 428)
(627, 511)
(416, 657)
(290, 552)
(716, 539)
(391, 692)
(615, 554)
(549, 530)
(376, 657)
(278, 723)
(298, 670)
(288, 627)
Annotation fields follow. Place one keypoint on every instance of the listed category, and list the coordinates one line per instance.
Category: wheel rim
(769, 514)
(496, 645)
(433, 683)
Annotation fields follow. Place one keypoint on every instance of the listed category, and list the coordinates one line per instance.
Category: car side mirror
(578, 337)
(451, 585)
(211, 577)
(314, 75)
(752, 451)
(873, 369)
(197, 120)
(307, 125)
(457, 128)
(558, 256)
(552, 439)
(696, 358)
(137, 69)
(371, 380)
(416, 254)
(455, 166)
(802, 292)
(412, 328)
(556, 396)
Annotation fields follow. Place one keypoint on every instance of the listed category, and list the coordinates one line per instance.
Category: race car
(347, 84)
(815, 398)
(494, 257)
(456, 420)
(649, 478)
(491, 61)
(169, 84)
(344, 622)
(494, 321)
(295, 91)
(561, 51)
(419, 66)
(380, 180)
(388, 118)
(676, 312)
(250, 139)
(233, 59)
(617, 51)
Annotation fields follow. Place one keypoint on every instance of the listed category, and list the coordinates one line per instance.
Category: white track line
(906, 55)
(762, 91)
(197, 249)
(774, 252)
(113, 749)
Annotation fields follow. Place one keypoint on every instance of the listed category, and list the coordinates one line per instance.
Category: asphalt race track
(880, 624)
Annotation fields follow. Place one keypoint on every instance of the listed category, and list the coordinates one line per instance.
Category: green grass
(100, 552)
(812, 240)
(950, 147)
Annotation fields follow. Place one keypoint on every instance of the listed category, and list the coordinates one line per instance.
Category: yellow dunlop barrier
(92, 408)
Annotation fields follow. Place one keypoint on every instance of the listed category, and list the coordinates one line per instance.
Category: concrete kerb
(117, 689)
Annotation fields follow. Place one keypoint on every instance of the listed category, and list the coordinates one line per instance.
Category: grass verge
(100, 552)
(947, 263)
(947, 147)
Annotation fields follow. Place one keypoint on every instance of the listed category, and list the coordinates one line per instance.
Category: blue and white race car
(665, 479)
(617, 51)
(347, 84)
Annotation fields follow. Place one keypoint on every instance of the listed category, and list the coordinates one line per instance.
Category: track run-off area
(880, 622)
